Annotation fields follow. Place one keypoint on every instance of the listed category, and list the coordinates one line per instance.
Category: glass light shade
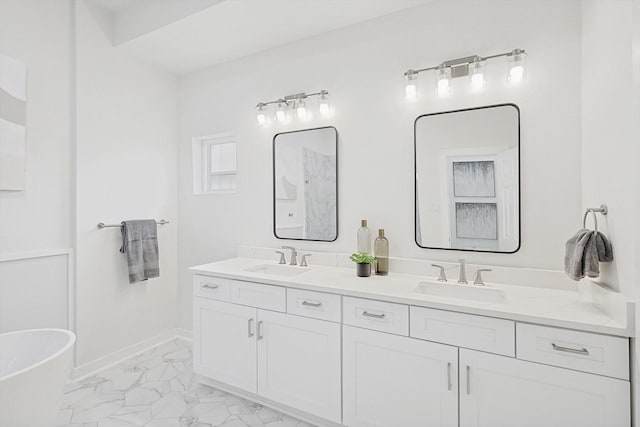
(443, 78)
(261, 114)
(301, 109)
(324, 106)
(410, 84)
(476, 74)
(517, 66)
(281, 113)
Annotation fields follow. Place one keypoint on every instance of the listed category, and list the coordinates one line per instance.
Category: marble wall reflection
(305, 185)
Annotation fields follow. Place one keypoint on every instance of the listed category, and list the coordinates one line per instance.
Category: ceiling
(187, 35)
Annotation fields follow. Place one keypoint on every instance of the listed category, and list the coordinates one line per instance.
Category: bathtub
(34, 365)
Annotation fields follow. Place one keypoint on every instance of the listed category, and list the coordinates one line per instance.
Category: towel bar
(603, 209)
(102, 225)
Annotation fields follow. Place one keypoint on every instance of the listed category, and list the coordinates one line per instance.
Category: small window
(214, 164)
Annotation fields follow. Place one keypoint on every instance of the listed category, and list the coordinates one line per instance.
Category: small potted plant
(363, 263)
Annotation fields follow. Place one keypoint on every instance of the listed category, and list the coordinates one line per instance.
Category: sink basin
(466, 292)
(277, 270)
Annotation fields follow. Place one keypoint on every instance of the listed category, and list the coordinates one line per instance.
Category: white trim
(71, 297)
(201, 159)
(71, 283)
(303, 416)
(185, 334)
(42, 253)
(88, 369)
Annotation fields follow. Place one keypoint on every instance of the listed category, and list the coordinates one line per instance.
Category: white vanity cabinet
(299, 363)
(346, 360)
(395, 381)
(498, 391)
(292, 360)
(224, 343)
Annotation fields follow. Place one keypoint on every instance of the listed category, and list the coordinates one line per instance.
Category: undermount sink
(466, 292)
(277, 270)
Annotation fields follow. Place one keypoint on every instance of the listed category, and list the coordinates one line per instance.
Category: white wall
(126, 169)
(40, 217)
(362, 68)
(635, 142)
(608, 164)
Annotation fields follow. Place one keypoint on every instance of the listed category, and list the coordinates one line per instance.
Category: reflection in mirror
(467, 166)
(305, 184)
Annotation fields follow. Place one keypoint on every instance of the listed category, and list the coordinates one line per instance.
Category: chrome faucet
(442, 277)
(294, 254)
(478, 280)
(303, 260)
(462, 279)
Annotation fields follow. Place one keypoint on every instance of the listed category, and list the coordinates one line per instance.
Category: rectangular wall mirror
(305, 184)
(467, 170)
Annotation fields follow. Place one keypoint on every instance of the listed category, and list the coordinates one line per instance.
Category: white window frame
(201, 150)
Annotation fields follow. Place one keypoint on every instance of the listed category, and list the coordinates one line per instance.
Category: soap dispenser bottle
(381, 249)
(364, 237)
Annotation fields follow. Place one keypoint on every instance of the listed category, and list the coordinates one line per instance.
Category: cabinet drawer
(211, 287)
(464, 330)
(582, 351)
(318, 305)
(377, 315)
(257, 295)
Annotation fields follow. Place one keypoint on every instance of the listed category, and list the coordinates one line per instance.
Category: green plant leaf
(362, 258)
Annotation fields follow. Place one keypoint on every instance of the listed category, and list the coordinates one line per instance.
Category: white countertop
(552, 307)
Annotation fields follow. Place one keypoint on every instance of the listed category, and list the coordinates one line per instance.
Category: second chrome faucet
(462, 278)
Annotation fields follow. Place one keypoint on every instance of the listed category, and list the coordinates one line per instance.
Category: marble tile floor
(158, 389)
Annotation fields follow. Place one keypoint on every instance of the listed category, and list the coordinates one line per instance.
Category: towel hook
(603, 209)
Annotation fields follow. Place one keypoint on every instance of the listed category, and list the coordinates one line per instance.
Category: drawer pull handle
(205, 286)
(582, 351)
(449, 376)
(468, 379)
(312, 304)
(375, 316)
(250, 332)
(260, 330)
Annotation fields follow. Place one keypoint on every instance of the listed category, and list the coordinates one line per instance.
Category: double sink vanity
(406, 350)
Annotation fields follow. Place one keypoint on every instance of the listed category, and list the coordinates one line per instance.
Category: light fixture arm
(296, 101)
(293, 97)
(460, 66)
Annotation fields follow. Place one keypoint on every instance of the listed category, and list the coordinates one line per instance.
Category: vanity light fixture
(284, 108)
(410, 84)
(471, 66)
(443, 86)
(301, 109)
(324, 106)
(477, 79)
(261, 115)
(517, 65)
(281, 110)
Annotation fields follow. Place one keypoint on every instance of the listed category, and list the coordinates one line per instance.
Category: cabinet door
(394, 381)
(299, 363)
(224, 343)
(497, 391)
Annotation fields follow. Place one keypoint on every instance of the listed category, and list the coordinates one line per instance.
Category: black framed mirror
(467, 179)
(305, 184)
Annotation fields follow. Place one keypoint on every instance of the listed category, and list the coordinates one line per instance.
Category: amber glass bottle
(381, 252)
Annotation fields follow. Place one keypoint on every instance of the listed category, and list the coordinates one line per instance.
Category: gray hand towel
(574, 254)
(584, 252)
(140, 243)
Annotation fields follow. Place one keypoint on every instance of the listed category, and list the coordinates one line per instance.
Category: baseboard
(311, 419)
(185, 334)
(88, 369)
